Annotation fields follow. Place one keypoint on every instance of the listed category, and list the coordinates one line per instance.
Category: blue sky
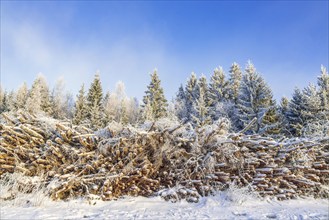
(286, 40)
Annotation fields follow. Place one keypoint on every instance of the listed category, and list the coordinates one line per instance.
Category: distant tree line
(240, 97)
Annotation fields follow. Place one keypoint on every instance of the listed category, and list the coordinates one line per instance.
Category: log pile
(171, 160)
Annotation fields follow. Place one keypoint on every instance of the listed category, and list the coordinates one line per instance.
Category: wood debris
(156, 160)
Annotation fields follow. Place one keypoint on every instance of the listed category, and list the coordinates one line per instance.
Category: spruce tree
(4, 101)
(58, 100)
(21, 96)
(294, 114)
(255, 99)
(94, 103)
(311, 103)
(218, 92)
(108, 106)
(154, 98)
(45, 95)
(39, 97)
(191, 95)
(271, 123)
(33, 102)
(323, 83)
(181, 105)
(218, 86)
(11, 101)
(201, 114)
(80, 113)
(282, 111)
(235, 82)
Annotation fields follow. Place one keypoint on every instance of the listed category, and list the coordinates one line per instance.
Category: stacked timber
(171, 160)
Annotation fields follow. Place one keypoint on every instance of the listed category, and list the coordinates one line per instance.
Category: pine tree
(80, 114)
(255, 99)
(33, 102)
(154, 98)
(108, 107)
(39, 97)
(4, 101)
(191, 95)
(21, 96)
(201, 114)
(323, 83)
(294, 114)
(218, 92)
(271, 121)
(95, 105)
(218, 86)
(133, 110)
(235, 82)
(311, 103)
(58, 100)
(181, 105)
(282, 111)
(303, 109)
(311, 113)
(11, 101)
(147, 111)
(45, 95)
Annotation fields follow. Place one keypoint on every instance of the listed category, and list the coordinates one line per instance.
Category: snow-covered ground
(221, 206)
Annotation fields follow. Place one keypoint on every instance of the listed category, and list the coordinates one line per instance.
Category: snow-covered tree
(3, 104)
(218, 92)
(303, 108)
(271, 123)
(255, 99)
(81, 111)
(154, 98)
(191, 95)
(311, 103)
(3, 101)
(11, 101)
(294, 113)
(311, 112)
(323, 83)
(201, 116)
(235, 82)
(120, 108)
(180, 105)
(22, 96)
(147, 111)
(94, 103)
(134, 110)
(33, 102)
(218, 86)
(58, 100)
(282, 111)
(39, 97)
(68, 106)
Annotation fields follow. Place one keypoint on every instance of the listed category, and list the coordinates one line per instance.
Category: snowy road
(155, 208)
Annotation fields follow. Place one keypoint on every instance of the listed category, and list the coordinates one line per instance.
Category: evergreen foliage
(255, 99)
(294, 114)
(191, 95)
(323, 83)
(154, 100)
(218, 93)
(22, 96)
(80, 113)
(3, 104)
(95, 103)
(181, 105)
(201, 116)
(235, 82)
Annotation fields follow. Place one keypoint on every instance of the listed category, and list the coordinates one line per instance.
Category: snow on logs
(170, 160)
